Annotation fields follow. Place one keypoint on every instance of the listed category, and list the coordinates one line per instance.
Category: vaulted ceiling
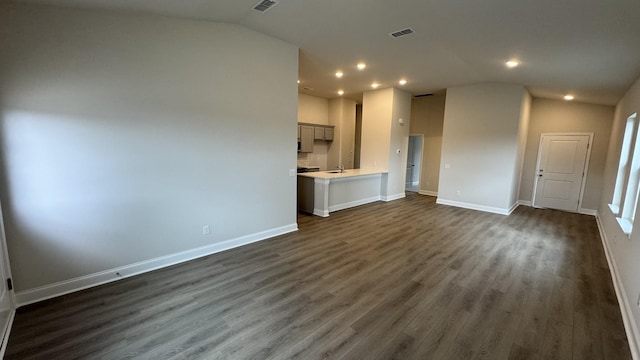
(589, 48)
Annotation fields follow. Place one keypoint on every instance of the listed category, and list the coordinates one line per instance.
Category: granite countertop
(347, 173)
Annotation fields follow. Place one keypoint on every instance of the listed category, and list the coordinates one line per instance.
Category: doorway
(414, 162)
(7, 302)
(563, 161)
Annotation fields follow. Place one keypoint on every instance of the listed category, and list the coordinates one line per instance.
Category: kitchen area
(329, 177)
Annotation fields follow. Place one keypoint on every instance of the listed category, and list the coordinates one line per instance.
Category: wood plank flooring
(407, 279)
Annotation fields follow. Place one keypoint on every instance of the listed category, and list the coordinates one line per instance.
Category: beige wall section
(480, 146)
(427, 118)
(556, 116)
(523, 131)
(376, 129)
(313, 109)
(625, 251)
(383, 135)
(123, 134)
(399, 144)
(342, 114)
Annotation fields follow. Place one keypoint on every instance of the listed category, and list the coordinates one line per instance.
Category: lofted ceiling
(589, 48)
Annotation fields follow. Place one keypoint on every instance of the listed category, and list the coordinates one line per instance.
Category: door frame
(585, 169)
(6, 270)
(421, 136)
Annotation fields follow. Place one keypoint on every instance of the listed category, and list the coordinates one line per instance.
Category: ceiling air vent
(402, 32)
(265, 5)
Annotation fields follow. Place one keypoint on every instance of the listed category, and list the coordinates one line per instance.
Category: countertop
(345, 174)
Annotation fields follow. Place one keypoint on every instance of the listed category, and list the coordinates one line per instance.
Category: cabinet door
(328, 134)
(319, 133)
(306, 138)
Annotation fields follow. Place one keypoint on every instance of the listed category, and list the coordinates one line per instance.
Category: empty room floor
(407, 279)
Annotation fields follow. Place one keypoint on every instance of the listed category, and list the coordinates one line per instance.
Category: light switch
(292, 172)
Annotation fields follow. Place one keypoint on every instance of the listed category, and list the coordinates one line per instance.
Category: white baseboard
(491, 209)
(393, 197)
(428, 193)
(353, 203)
(320, 212)
(524, 202)
(630, 326)
(7, 332)
(588, 212)
(68, 286)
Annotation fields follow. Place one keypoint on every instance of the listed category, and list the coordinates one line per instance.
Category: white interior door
(562, 166)
(7, 304)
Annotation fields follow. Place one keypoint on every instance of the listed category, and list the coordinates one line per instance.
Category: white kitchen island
(322, 192)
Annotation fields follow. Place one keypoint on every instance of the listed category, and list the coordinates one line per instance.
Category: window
(625, 194)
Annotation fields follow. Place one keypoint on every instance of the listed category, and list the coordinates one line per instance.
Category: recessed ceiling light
(568, 97)
(340, 92)
(512, 63)
(339, 74)
(361, 66)
(402, 82)
(375, 85)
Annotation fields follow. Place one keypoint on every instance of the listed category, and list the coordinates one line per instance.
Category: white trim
(630, 326)
(491, 209)
(428, 193)
(352, 204)
(591, 212)
(393, 197)
(524, 203)
(83, 282)
(7, 332)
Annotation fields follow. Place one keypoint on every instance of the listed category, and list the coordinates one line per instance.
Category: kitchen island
(322, 192)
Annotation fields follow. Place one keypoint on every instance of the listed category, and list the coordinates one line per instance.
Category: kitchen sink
(334, 172)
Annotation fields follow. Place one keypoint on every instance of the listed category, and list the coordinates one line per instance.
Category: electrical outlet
(458, 192)
(206, 230)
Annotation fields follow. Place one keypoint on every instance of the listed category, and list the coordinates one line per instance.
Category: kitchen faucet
(341, 168)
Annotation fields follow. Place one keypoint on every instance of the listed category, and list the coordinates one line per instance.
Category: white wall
(555, 116)
(427, 118)
(480, 146)
(123, 134)
(624, 251)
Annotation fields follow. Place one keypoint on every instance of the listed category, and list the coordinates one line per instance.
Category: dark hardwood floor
(407, 279)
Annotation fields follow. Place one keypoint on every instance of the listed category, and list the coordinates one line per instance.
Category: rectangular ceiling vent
(402, 32)
(265, 5)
